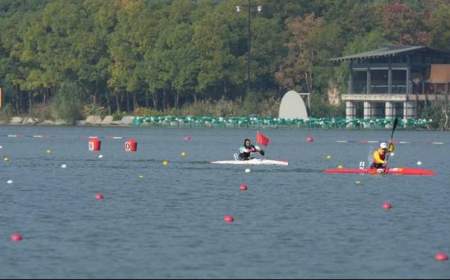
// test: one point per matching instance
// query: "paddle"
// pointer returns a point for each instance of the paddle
(391, 146)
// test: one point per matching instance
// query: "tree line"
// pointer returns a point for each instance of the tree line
(125, 54)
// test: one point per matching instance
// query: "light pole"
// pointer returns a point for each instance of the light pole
(249, 35)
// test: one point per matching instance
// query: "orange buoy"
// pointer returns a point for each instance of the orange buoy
(94, 144)
(16, 237)
(131, 145)
(228, 218)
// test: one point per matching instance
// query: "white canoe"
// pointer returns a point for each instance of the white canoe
(255, 161)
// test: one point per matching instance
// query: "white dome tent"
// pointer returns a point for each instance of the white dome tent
(292, 106)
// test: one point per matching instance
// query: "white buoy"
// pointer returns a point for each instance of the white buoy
(9, 182)
(100, 156)
(247, 170)
(1, 147)
(419, 163)
(392, 154)
(63, 165)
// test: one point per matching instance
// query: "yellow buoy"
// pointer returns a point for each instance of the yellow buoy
(141, 176)
(165, 162)
(340, 166)
(49, 151)
(5, 158)
(183, 154)
(328, 157)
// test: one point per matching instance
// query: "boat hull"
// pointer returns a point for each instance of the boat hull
(389, 171)
(255, 161)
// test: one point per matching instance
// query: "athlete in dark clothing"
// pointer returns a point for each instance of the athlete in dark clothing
(246, 150)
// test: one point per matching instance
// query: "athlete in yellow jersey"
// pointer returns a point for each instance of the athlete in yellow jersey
(379, 155)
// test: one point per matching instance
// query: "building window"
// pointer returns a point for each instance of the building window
(378, 81)
(359, 82)
(398, 81)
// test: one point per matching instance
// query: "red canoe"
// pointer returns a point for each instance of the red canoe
(374, 171)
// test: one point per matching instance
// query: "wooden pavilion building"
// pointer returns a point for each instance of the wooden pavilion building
(395, 81)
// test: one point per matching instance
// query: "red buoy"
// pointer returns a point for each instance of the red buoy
(94, 144)
(309, 139)
(387, 205)
(228, 218)
(131, 145)
(441, 256)
(99, 196)
(16, 237)
(243, 187)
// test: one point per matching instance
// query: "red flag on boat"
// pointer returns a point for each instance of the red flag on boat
(262, 139)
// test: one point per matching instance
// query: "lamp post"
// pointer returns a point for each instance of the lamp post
(249, 35)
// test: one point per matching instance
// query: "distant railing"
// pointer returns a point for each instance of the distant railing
(416, 88)
(260, 122)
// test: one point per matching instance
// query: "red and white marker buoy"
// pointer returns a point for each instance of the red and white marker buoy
(94, 144)
(130, 145)
(16, 237)
(243, 187)
(228, 219)
(441, 256)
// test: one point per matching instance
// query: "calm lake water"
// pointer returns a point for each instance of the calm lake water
(167, 221)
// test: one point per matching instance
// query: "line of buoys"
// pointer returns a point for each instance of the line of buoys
(95, 144)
